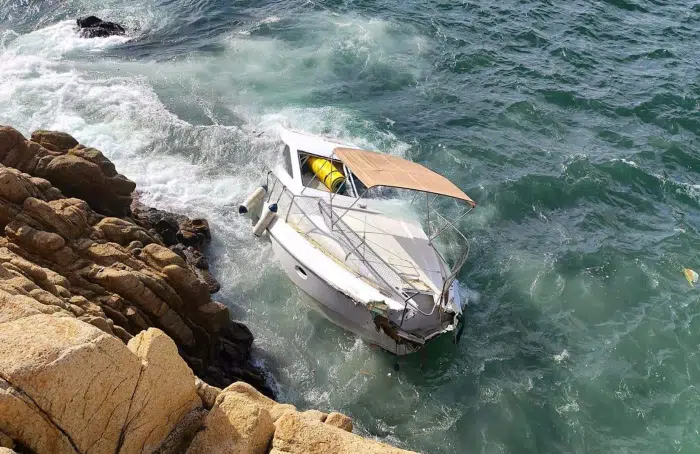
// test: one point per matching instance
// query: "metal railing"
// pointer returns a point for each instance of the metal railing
(386, 276)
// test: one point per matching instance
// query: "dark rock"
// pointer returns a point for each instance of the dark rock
(94, 27)
(205, 276)
(179, 249)
(196, 258)
(167, 229)
(238, 333)
(189, 238)
(198, 226)
(186, 237)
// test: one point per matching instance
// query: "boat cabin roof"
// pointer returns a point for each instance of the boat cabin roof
(379, 169)
(376, 169)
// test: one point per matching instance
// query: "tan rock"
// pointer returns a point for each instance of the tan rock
(13, 307)
(34, 240)
(60, 140)
(315, 415)
(186, 283)
(123, 232)
(207, 393)
(160, 256)
(164, 395)
(275, 409)
(67, 217)
(235, 425)
(180, 438)
(24, 421)
(6, 441)
(296, 434)
(12, 187)
(340, 421)
(51, 361)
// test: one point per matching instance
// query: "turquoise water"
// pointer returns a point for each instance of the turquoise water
(574, 125)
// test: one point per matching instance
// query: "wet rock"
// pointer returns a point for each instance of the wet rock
(94, 27)
(89, 260)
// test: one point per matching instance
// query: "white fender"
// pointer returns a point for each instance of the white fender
(253, 203)
(265, 219)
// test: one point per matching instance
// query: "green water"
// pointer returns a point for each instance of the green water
(574, 126)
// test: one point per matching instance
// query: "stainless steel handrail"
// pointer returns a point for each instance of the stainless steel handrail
(323, 205)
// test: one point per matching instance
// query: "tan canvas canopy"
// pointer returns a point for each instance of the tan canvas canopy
(378, 169)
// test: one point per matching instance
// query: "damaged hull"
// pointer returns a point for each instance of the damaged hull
(347, 306)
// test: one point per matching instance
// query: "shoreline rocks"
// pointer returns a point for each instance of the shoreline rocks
(70, 236)
(110, 341)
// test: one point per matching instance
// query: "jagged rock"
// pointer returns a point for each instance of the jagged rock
(236, 424)
(186, 237)
(54, 140)
(164, 395)
(340, 421)
(64, 256)
(94, 27)
(123, 232)
(207, 393)
(182, 435)
(296, 434)
(275, 409)
(76, 172)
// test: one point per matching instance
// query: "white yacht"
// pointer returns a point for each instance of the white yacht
(362, 254)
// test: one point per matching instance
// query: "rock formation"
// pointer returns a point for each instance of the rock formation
(63, 245)
(94, 27)
(68, 387)
(109, 339)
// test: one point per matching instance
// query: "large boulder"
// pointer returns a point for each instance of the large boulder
(94, 27)
(76, 171)
(46, 363)
(68, 387)
(244, 390)
(165, 392)
(235, 425)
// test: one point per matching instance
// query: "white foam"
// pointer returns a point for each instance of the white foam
(64, 38)
(561, 356)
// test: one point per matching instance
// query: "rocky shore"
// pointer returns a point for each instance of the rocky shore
(109, 338)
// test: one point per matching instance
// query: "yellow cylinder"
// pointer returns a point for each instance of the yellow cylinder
(326, 171)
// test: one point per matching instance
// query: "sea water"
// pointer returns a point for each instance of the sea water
(573, 125)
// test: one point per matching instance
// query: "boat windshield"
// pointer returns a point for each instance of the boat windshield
(333, 169)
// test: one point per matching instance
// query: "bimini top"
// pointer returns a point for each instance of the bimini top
(378, 169)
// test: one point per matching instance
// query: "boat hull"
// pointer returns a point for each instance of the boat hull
(334, 305)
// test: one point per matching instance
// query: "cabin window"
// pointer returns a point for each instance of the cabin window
(287, 160)
(310, 180)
